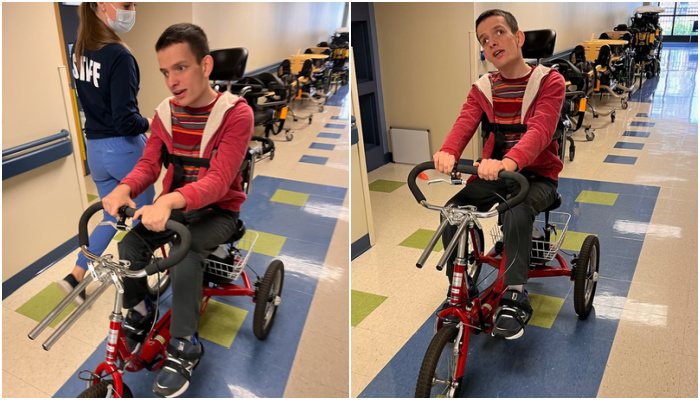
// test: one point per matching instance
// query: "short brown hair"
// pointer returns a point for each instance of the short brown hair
(510, 19)
(185, 33)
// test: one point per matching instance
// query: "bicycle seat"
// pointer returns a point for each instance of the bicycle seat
(239, 233)
(556, 204)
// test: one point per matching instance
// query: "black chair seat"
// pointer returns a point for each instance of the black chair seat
(262, 115)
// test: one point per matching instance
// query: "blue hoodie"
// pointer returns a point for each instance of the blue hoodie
(107, 85)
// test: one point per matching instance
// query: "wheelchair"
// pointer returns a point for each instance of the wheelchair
(538, 45)
(471, 310)
(220, 273)
(228, 75)
(647, 39)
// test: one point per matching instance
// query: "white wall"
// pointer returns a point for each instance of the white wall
(270, 31)
(40, 208)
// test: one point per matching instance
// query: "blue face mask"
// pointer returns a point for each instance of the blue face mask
(125, 20)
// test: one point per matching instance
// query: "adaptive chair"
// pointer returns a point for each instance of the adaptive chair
(608, 74)
(647, 39)
(229, 66)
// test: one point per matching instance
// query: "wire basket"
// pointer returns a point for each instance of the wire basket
(543, 251)
(236, 260)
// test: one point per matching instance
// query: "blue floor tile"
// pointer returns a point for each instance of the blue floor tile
(342, 118)
(335, 126)
(322, 146)
(329, 135)
(645, 115)
(645, 124)
(636, 134)
(314, 160)
(620, 159)
(631, 146)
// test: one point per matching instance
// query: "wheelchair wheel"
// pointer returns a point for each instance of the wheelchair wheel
(572, 153)
(267, 299)
(436, 377)
(104, 389)
(586, 276)
(612, 117)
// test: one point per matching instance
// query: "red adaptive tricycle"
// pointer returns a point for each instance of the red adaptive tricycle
(106, 381)
(471, 310)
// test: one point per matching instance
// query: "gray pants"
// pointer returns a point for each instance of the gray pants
(209, 229)
(517, 225)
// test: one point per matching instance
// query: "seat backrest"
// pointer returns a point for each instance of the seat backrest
(307, 69)
(539, 44)
(229, 64)
(604, 36)
(578, 56)
(285, 68)
(604, 56)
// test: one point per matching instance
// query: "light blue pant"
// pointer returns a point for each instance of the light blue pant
(110, 161)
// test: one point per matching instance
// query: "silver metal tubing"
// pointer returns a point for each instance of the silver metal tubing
(625, 89)
(613, 94)
(453, 243)
(433, 241)
(58, 309)
(74, 316)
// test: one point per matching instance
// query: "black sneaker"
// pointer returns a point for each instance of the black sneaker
(183, 356)
(67, 285)
(513, 314)
(137, 326)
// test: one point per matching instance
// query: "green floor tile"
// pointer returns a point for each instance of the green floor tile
(593, 197)
(221, 322)
(119, 236)
(288, 197)
(91, 197)
(362, 305)
(266, 243)
(545, 309)
(41, 305)
(385, 186)
(574, 240)
(420, 239)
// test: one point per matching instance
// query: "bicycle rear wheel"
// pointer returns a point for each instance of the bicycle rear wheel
(437, 374)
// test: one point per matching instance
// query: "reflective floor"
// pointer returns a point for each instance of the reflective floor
(634, 187)
(299, 206)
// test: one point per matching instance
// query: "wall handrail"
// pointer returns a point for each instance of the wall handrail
(36, 143)
(13, 163)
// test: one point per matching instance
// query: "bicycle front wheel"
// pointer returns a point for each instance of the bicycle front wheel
(437, 377)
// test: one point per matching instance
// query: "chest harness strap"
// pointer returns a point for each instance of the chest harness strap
(499, 131)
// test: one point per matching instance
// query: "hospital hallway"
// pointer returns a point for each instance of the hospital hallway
(635, 186)
(299, 207)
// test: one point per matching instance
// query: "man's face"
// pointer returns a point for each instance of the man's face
(501, 46)
(186, 79)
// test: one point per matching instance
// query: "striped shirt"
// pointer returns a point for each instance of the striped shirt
(188, 127)
(507, 104)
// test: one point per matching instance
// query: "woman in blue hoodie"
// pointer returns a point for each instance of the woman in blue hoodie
(106, 78)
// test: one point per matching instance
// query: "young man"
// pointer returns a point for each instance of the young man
(522, 104)
(209, 133)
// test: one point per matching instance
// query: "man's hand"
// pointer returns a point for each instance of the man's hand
(120, 196)
(444, 162)
(154, 217)
(488, 169)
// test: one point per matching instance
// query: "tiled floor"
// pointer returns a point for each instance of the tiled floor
(301, 212)
(635, 187)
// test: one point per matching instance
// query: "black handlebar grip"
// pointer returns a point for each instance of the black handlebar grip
(83, 236)
(424, 166)
(177, 253)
